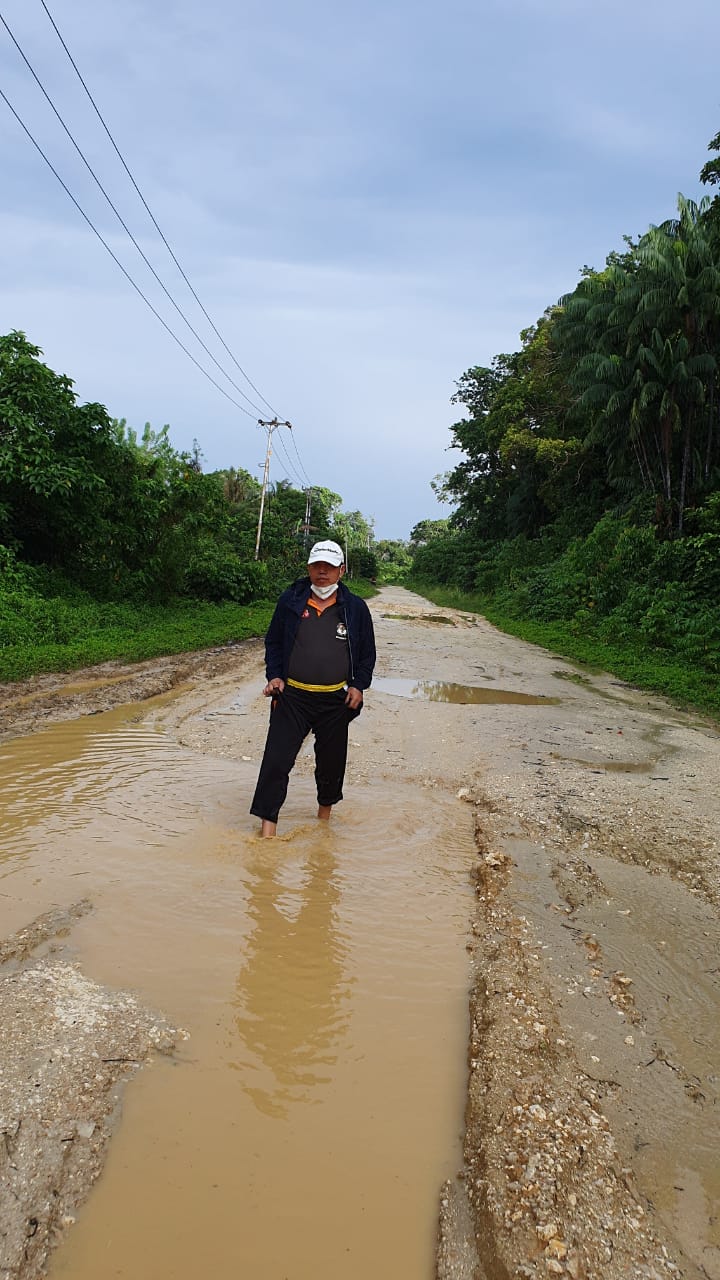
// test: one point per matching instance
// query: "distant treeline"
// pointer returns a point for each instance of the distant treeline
(588, 492)
(93, 514)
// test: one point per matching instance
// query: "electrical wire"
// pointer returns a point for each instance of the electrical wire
(290, 462)
(117, 261)
(159, 230)
(302, 479)
(122, 221)
(149, 211)
(307, 480)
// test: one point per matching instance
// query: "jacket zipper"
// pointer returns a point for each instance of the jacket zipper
(349, 645)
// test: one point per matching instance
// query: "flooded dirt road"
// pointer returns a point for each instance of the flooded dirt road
(542, 839)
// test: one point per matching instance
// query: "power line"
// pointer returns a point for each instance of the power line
(118, 263)
(149, 211)
(290, 463)
(159, 230)
(88, 166)
(121, 220)
(307, 480)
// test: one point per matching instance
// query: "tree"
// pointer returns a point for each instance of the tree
(522, 458)
(394, 559)
(644, 335)
(427, 531)
(685, 260)
(54, 457)
(710, 172)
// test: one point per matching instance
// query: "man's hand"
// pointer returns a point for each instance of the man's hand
(353, 698)
(276, 685)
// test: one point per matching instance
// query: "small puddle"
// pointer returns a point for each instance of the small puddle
(307, 1125)
(463, 694)
(608, 766)
(421, 617)
(653, 736)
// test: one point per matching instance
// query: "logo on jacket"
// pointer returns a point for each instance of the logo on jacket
(341, 631)
(305, 613)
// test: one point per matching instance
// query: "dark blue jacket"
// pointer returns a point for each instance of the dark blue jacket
(281, 634)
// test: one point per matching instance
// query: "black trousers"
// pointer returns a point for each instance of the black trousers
(294, 713)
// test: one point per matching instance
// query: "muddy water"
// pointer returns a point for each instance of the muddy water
(460, 694)
(306, 1125)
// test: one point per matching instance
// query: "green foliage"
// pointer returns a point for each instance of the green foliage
(217, 573)
(674, 677)
(62, 632)
(710, 172)
(588, 495)
(115, 545)
(393, 559)
(54, 457)
(523, 457)
(363, 587)
(426, 531)
(123, 515)
(620, 585)
(362, 563)
(14, 575)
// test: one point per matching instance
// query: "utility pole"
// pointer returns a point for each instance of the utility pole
(270, 426)
(308, 513)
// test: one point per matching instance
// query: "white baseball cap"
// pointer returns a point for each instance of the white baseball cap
(330, 552)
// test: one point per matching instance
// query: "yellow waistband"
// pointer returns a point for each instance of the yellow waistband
(316, 688)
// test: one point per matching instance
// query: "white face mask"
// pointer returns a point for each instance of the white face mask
(323, 593)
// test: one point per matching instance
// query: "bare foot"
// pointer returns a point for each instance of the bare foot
(324, 811)
(267, 829)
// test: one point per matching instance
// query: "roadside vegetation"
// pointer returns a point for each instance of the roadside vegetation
(587, 498)
(115, 545)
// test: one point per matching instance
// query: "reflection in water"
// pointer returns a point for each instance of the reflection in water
(291, 990)
(317, 1059)
(444, 691)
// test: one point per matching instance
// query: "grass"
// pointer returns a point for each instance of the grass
(654, 670)
(361, 587)
(146, 631)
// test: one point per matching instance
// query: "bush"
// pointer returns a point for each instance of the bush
(217, 573)
(362, 563)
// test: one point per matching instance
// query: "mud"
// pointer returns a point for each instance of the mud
(592, 1117)
(68, 1048)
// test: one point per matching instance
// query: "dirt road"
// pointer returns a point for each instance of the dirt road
(592, 1114)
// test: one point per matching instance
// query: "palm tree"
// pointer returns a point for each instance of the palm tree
(645, 335)
(682, 304)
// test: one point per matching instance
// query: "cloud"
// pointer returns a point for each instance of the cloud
(368, 200)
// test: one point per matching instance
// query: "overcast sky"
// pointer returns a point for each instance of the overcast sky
(368, 199)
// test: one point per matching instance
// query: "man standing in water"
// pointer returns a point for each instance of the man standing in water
(319, 659)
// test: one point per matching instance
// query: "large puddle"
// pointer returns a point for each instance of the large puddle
(305, 1127)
